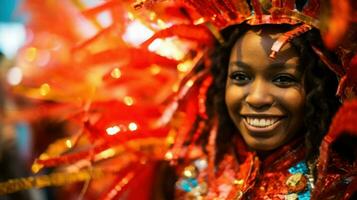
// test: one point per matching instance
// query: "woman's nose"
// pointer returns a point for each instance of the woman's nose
(259, 95)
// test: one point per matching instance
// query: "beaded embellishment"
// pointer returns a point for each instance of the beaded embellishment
(298, 182)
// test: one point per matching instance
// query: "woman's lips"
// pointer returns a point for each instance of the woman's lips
(262, 126)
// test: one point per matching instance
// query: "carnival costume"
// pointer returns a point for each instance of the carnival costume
(284, 174)
(135, 104)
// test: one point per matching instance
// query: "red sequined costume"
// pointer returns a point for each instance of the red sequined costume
(284, 174)
(281, 175)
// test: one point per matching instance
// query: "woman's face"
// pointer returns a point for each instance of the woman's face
(265, 97)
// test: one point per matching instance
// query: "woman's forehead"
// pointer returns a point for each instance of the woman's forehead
(255, 46)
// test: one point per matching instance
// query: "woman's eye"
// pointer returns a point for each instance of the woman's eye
(285, 80)
(240, 77)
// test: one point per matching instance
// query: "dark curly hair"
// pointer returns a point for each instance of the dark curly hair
(320, 86)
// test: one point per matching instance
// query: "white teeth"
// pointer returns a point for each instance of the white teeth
(261, 122)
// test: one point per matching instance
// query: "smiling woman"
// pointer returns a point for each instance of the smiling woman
(272, 115)
(265, 97)
(270, 101)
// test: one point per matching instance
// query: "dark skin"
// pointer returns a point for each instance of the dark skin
(265, 97)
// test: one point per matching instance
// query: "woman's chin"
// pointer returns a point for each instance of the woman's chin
(264, 139)
(263, 144)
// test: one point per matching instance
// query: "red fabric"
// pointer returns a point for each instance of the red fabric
(336, 176)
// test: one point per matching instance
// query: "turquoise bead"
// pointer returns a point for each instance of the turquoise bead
(301, 167)
(187, 184)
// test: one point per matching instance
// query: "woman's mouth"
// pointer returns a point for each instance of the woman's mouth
(262, 124)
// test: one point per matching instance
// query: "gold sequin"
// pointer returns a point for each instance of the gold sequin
(190, 171)
(294, 179)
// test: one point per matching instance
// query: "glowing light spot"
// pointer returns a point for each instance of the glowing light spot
(131, 16)
(155, 45)
(152, 16)
(167, 47)
(190, 171)
(45, 89)
(136, 33)
(238, 181)
(169, 155)
(116, 73)
(199, 21)
(170, 140)
(155, 69)
(14, 76)
(184, 67)
(125, 181)
(129, 101)
(175, 87)
(12, 37)
(132, 126)
(30, 54)
(187, 173)
(189, 83)
(105, 18)
(36, 167)
(106, 154)
(69, 143)
(161, 24)
(201, 164)
(44, 156)
(113, 130)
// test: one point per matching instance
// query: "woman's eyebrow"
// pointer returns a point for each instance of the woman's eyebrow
(239, 64)
(282, 65)
(279, 65)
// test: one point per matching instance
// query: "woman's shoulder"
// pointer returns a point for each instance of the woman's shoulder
(337, 162)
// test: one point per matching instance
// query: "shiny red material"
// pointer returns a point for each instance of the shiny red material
(337, 166)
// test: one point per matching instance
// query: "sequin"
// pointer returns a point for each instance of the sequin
(301, 168)
(187, 184)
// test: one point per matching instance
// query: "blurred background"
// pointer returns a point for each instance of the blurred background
(12, 31)
(14, 138)
(23, 140)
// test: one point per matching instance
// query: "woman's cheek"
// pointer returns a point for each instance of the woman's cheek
(294, 99)
(234, 98)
